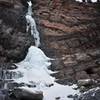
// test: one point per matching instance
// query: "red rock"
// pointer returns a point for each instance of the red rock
(62, 27)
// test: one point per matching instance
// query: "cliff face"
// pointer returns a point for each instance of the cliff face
(69, 32)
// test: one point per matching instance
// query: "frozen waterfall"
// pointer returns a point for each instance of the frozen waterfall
(33, 70)
(32, 25)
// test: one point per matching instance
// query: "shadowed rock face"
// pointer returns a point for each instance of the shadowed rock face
(93, 94)
(14, 41)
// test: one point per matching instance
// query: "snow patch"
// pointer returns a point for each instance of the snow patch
(86, 0)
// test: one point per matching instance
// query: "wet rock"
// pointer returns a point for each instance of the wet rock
(74, 97)
(57, 98)
(70, 96)
(23, 94)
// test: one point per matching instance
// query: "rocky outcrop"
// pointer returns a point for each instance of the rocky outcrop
(93, 94)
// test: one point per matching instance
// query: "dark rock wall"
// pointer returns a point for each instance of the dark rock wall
(14, 41)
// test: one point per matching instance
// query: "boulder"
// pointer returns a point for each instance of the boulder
(24, 94)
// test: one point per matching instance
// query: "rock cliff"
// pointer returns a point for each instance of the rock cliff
(70, 31)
